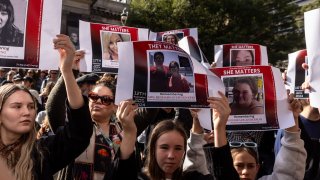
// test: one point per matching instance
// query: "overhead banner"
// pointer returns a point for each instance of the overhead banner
(257, 98)
(158, 74)
(174, 36)
(296, 75)
(227, 55)
(100, 43)
(312, 33)
(26, 30)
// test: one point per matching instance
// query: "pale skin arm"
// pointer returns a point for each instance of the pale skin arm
(221, 112)
(67, 53)
(295, 106)
(125, 114)
(196, 127)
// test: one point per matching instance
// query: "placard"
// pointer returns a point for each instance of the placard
(174, 36)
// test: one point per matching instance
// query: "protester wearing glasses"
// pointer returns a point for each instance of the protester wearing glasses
(242, 163)
(95, 162)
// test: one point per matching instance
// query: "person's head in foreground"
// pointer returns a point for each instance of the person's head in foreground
(166, 151)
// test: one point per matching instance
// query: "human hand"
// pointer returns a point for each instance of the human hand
(221, 110)
(66, 49)
(125, 114)
(296, 108)
(213, 64)
(79, 54)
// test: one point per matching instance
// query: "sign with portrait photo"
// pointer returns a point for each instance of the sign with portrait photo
(159, 74)
(174, 36)
(227, 55)
(23, 28)
(100, 42)
(257, 98)
(296, 75)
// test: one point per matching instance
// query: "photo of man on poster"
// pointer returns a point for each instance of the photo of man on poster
(159, 77)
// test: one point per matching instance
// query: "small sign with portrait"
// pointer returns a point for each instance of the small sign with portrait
(174, 36)
(257, 98)
(100, 42)
(227, 55)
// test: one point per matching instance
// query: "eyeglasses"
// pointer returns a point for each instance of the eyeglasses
(251, 145)
(105, 100)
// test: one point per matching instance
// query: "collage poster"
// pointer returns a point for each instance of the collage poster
(227, 55)
(100, 42)
(296, 75)
(25, 30)
(257, 98)
(163, 75)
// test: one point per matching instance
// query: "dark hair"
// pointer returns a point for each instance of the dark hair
(158, 54)
(151, 167)
(250, 81)
(236, 52)
(10, 34)
(173, 64)
(108, 82)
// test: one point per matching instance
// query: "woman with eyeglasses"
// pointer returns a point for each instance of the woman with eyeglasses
(242, 161)
(95, 162)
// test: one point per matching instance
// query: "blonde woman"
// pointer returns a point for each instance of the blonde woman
(26, 157)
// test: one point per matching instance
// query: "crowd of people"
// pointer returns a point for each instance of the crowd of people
(63, 125)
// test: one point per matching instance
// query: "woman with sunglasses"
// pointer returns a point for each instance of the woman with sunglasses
(242, 162)
(95, 162)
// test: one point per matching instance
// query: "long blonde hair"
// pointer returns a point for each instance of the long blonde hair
(22, 169)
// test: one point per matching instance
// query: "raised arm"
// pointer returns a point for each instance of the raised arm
(67, 53)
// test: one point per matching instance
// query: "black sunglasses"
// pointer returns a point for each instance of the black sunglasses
(105, 100)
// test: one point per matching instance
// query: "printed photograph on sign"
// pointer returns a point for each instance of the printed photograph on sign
(241, 57)
(172, 38)
(109, 47)
(12, 28)
(245, 94)
(170, 77)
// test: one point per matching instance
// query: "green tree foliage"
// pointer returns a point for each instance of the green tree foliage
(271, 23)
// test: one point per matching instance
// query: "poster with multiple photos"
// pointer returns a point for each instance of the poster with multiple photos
(100, 43)
(312, 34)
(25, 30)
(296, 75)
(159, 74)
(227, 55)
(257, 98)
(174, 36)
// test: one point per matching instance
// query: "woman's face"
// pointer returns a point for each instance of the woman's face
(243, 94)
(18, 114)
(4, 16)
(169, 152)
(246, 165)
(243, 58)
(114, 39)
(174, 69)
(171, 39)
(99, 111)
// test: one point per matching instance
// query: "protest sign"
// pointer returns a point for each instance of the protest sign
(158, 74)
(226, 55)
(26, 30)
(100, 42)
(174, 36)
(257, 97)
(190, 46)
(312, 33)
(296, 75)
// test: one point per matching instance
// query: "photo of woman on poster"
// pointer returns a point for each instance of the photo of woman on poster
(177, 82)
(109, 44)
(10, 35)
(246, 99)
(243, 57)
(171, 38)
